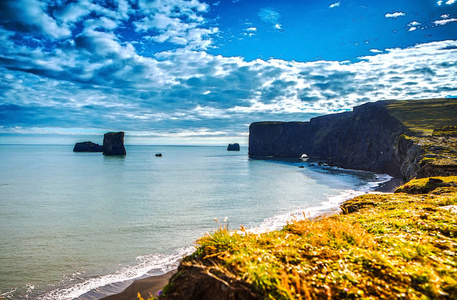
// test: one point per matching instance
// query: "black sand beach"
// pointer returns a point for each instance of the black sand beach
(147, 287)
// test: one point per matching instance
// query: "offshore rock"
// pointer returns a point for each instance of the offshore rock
(113, 143)
(233, 147)
(87, 147)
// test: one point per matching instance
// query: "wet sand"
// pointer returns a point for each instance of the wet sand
(390, 186)
(147, 287)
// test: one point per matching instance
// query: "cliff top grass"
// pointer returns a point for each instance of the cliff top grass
(383, 246)
(423, 116)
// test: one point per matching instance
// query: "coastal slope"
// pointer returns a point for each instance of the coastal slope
(384, 136)
(383, 246)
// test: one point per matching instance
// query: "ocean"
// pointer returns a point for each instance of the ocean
(81, 225)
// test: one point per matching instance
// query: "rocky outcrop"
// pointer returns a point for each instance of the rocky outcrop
(372, 137)
(87, 147)
(197, 282)
(233, 147)
(427, 156)
(113, 143)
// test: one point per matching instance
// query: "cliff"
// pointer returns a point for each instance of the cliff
(373, 137)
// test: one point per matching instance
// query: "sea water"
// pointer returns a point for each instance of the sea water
(84, 225)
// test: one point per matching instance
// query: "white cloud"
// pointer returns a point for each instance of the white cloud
(444, 22)
(336, 4)
(414, 23)
(395, 14)
(269, 15)
(177, 21)
(32, 13)
(449, 2)
(188, 88)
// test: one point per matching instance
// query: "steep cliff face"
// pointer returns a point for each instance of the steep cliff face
(362, 139)
(394, 137)
(422, 157)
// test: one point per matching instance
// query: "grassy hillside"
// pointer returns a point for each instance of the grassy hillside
(422, 116)
(385, 246)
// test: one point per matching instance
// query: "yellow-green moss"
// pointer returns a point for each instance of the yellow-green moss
(423, 116)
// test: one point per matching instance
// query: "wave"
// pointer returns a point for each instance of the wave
(158, 264)
(97, 287)
(329, 206)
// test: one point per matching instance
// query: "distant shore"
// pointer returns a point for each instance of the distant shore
(151, 286)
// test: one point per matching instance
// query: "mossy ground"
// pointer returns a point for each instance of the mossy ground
(384, 246)
(423, 116)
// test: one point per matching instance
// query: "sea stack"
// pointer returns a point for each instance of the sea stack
(87, 147)
(233, 147)
(113, 143)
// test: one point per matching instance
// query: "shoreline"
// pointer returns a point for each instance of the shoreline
(150, 286)
(147, 287)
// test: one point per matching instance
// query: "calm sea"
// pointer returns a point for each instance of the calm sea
(83, 225)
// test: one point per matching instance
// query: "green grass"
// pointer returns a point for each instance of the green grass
(423, 116)
(384, 246)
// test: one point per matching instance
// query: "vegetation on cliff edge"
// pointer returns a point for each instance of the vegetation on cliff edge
(423, 116)
(383, 246)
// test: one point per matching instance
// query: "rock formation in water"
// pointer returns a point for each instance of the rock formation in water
(113, 143)
(87, 147)
(233, 147)
(378, 137)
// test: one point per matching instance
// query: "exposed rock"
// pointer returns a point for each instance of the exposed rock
(193, 282)
(233, 147)
(87, 147)
(113, 143)
(427, 156)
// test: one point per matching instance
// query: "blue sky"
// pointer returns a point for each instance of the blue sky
(199, 72)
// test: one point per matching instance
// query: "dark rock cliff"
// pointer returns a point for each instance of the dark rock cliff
(363, 139)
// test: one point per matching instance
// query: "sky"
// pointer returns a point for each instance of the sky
(199, 72)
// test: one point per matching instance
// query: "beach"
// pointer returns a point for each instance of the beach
(147, 287)
(151, 286)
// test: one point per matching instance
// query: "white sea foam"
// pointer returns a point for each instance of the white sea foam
(331, 204)
(157, 264)
(148, 265)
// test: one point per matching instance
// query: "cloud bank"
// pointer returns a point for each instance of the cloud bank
(78, 69)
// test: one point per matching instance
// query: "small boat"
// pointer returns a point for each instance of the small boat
(304, 156)
(159, 154)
